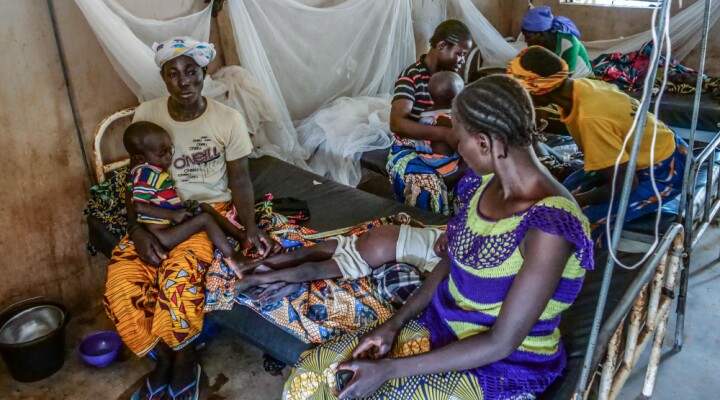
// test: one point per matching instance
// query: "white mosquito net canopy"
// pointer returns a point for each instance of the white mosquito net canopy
(317, 75)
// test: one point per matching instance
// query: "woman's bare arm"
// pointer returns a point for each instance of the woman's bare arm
(545, 258)
(402, 125)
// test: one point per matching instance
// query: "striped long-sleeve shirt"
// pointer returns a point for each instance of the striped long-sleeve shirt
(412, 84)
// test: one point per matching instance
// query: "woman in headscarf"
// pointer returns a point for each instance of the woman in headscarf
(599, 118)
(414, 181)
(156, 296)
(484, 324)
(559, 35)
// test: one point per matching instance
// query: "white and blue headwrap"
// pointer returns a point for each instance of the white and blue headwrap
(201, 52)
(541, 19)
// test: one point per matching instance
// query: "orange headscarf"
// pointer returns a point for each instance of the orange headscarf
(534, 83)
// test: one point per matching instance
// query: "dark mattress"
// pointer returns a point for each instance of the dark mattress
(333, 205)
(676, 110)
(375, 160)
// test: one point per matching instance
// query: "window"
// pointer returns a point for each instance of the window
(617, 3)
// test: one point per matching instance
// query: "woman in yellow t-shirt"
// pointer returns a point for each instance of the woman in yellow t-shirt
(599, 117)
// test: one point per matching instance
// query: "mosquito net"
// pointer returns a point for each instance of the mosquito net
(317, 74)
(127, 40)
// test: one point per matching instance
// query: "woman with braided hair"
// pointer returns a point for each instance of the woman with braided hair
(415, 182)
(484, 325)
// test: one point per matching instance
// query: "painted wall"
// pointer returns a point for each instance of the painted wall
(598, 23)
(44, 184)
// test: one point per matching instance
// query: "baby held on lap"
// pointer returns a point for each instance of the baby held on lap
(353, 257)
(156, 201)
(444, 86)
(442, 155)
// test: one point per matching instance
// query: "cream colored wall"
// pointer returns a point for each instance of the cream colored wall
(44, 183)
(597, 23)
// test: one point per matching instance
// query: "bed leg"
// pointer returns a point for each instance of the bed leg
(662, 315)
(680, 322)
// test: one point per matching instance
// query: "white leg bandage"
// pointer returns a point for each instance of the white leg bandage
(348, 259)
(415, 247)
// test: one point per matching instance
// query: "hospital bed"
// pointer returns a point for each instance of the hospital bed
(333, 205)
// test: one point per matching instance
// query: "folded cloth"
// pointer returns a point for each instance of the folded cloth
(219, 285)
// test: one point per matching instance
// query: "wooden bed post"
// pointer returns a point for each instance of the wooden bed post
(227, 38)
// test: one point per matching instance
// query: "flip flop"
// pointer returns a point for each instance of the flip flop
(159, 391)
(194, 384)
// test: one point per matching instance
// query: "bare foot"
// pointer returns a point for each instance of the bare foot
(184, 379)
(156, 382)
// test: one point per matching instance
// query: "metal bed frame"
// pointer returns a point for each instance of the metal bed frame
(99, 165)
(642, 314)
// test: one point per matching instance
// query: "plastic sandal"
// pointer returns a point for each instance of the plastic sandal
(157, 392)
(194, 384)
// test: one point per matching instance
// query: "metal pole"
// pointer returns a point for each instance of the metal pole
(682, 213)
(71, 98)
(624, 197)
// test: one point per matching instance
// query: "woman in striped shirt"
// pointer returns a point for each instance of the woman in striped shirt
(415, 182)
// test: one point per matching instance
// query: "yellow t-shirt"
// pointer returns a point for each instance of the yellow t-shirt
(203, 146)
(600, 120)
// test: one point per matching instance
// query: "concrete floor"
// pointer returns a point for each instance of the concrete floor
(233, 370)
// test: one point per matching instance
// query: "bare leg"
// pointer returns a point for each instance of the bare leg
(171, 236)
(377, 247)
(298, 265)
(184, 371)
(225, 225)
(162, 373)
(306, 272)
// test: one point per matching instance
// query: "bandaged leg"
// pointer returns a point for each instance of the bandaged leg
(415, 247)
(348, 259)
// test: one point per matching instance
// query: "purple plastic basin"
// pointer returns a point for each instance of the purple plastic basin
(100, 348)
